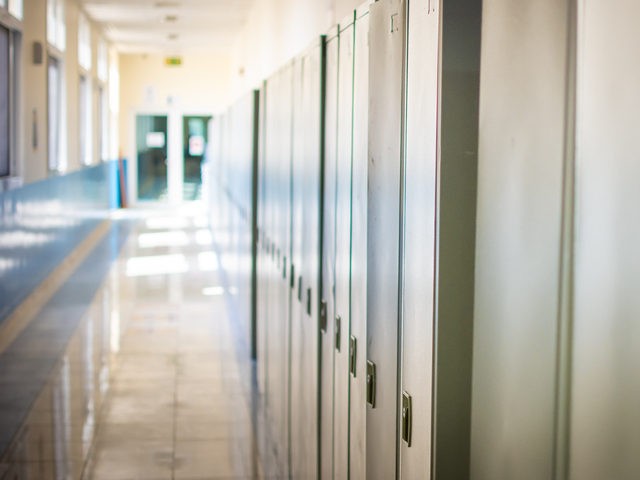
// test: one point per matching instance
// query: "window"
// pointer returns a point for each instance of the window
(84, 42)
(84, 127)
(10, 45)
(5, 103)
(104, 125)
(114, 106)
(56, 30)
(57, 162)
(15, 8)
(102, 61)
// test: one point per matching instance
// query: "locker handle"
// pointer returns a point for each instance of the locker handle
(406, 418)
(353, 344)
(284, 267)
(300, 288)
(371, 383)
(338, 331)
(308, 301)
(292, 279)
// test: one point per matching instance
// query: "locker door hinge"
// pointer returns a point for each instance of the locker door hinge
(353, 344)
(406, 418)
(371, 383)
(338, 331)
(323, 315)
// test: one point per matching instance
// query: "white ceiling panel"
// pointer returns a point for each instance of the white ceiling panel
(171, 26)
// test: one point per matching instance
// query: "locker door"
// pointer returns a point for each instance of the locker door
(343, 252)
(261, 323)
(328, 257)
(439, 240)
(605, 420)
(358, 408)
(307, 202)
(272, 332)
(298, 370)
(386, 37)
(281, 289)
(420, 232)
(520, 181)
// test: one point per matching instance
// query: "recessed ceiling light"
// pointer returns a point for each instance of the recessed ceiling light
(173, 36)
(171, 18)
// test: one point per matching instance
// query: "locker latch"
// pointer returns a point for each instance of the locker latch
(352, 355)
(338, 331)
(406, 418)
(371, 383)
(323, 315)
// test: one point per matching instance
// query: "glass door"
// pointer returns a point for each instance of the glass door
(152, 153)
(195, 139)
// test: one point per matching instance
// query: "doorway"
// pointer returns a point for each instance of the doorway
(152, 154)
(195, 138)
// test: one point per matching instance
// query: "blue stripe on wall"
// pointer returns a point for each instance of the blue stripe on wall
(42, 222)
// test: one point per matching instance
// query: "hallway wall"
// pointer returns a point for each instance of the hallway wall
(276, 31)
(32, 156)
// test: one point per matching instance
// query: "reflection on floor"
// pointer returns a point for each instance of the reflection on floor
(152, 384)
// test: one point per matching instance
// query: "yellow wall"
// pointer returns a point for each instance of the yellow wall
(199, 85)
(33, 161)
(33, 96)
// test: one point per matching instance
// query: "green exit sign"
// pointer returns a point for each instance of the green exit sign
(173, 61)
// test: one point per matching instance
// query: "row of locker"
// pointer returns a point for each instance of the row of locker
(444, 235)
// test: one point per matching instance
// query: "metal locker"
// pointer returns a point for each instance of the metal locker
(386, 42)
(327, 308)
(439, 236)
(343, 251)
(298, 369)
(281, 321)
(307, 238)
(604, 436)
(358, 310)
(261, 323)
(522, 125)
(419, 264)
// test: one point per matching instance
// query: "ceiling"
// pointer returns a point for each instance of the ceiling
(169, 26)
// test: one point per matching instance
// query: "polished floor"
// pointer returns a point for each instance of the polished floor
(153, 383)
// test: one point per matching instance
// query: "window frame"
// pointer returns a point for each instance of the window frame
(14, 58)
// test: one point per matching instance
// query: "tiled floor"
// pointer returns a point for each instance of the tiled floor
(153, 384)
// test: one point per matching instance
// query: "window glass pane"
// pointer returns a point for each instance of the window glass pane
(104, 125)
(15, 8)
(54, 114)
(84, 43)
(102, 62)
(56, 30)
(4, 102)
(85, 123)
